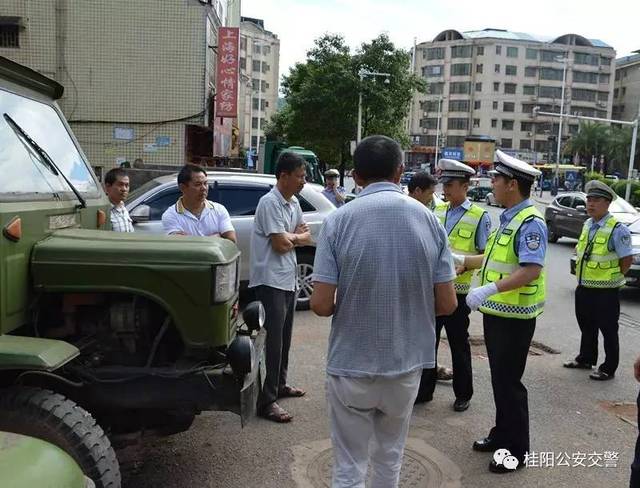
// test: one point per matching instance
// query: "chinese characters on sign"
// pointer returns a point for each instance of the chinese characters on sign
(606, 459)
(227, 72)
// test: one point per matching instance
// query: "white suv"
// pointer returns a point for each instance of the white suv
(239, 193)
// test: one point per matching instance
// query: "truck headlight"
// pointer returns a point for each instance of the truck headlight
(226, 278)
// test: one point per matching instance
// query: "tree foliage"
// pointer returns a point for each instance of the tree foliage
(321, 96)
(613, 142)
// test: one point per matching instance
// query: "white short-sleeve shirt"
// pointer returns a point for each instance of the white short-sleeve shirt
(214, 219)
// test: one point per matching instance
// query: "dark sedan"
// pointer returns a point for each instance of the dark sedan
(567, 213)
(478, 193)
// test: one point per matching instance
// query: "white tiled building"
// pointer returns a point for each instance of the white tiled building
(488, 82)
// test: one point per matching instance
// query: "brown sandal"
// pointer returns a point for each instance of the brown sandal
(276, 413)
(291, 392)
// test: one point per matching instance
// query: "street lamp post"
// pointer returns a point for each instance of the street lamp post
(634, 137)
(362, 74)
(556, 179)
(438, 130)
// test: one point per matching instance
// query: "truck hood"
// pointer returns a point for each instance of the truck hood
(82, 246)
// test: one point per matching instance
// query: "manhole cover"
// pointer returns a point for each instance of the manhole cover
(625, 411)
(422, 466)
(478, 347)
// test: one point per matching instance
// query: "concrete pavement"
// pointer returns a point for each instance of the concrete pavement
(571, 417)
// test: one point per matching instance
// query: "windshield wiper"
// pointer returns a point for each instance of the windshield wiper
(51, 165)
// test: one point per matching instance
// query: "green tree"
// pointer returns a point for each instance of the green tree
(591, 140)
(322, 96)
(619, 147)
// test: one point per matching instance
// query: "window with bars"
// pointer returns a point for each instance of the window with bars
(511, 70)
(531, 53)
(480, 50)
(461, 51)
(436, 88)
(432, 71)
(585, 77)
(507, 125)
(10, 36)
(459, 87)
(477, 104)
(526, 126)
(458, 105)
(510, 88)
(433, 53)
(529, 90)
(583, 95)
(506, 143)
(525, 144)
(531, 71)
(508, 107)
(431, 123)
(586, 58)
(479, 86)
(494, 123)
(550, 91)
(429, 106)
(458, 124)
(512, 52)
(550, 74)
(461, 69)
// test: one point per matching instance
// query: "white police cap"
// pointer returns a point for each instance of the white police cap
(452, 169)
(514, 167)
(595, 188)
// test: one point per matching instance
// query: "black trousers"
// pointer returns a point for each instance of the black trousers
(598, 309)
(279, 306)
(457, 327)
(508, 342)
(634, 482)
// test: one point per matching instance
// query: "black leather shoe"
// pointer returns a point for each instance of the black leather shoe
(485, 445)
(501, 469)
(573, 364)
(461, 405)
(601, 376)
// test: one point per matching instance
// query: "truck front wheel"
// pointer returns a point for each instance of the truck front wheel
(56, 419)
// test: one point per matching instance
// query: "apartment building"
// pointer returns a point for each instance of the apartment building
(139, 76)
(626, 91)
(487, 82)
(259, 77)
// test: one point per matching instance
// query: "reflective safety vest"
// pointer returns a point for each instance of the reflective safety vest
(500, 260)
(596, 266)
(462, 239)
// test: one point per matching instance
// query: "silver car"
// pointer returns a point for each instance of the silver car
(239, 193)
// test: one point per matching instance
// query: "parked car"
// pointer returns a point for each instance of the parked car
(239, 193)
(567, 212)
(490, 200)
(633, 275)
(406, 177)
(478, 193)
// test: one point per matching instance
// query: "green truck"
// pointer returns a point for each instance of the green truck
(102, 331)
(270, 151)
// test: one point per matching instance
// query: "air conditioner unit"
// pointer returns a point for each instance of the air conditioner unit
(424, 130)
(533, 99)
(424, 114)
(529, 134)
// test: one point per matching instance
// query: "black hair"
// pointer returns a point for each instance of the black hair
(187, 171)
(524, 187)
(422, 180)
(377, 158)
(113, 174)
(288, 162)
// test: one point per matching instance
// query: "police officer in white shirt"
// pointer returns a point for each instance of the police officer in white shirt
(193, 214)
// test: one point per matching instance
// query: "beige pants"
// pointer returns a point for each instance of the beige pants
(369, 420)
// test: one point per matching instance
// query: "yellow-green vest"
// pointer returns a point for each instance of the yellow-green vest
(462, 239)
(599, 268)
(500, 260)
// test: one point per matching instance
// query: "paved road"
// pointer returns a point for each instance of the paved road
(567, 411)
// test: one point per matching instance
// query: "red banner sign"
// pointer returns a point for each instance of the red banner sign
(227, 72)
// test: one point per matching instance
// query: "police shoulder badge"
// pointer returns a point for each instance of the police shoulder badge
(533, 241)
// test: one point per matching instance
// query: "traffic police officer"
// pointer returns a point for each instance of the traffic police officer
(604, 255)
(511, 297)
(468, 227)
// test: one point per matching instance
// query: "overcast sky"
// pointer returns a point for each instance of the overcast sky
(298, 22)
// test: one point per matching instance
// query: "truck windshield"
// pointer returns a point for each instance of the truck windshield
(23, 170)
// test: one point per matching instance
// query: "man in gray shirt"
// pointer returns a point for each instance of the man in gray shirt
(277, 230)
(384, 271)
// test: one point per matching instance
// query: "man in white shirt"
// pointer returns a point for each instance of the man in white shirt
(116, 186)
(193, 214)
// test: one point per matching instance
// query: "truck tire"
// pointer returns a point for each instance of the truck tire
(305, 286)
(54, 418)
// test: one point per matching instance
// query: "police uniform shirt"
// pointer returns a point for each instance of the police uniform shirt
(531, 237)
(620, 241)
(454, 214)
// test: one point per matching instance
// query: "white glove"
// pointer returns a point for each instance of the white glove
(458, 259)
(479, 295)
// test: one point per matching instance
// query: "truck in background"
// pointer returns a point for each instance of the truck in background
(270, 151)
